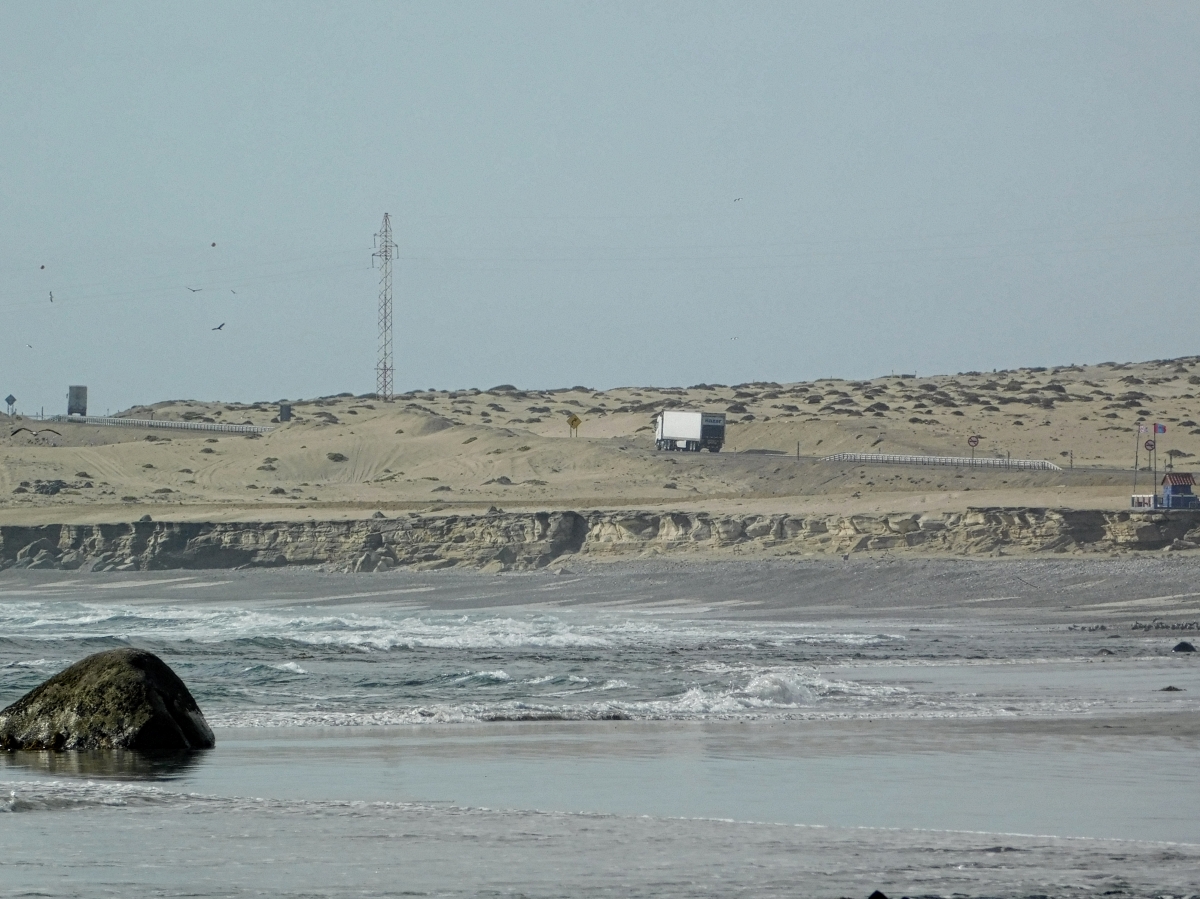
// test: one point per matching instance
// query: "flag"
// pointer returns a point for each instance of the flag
(1142, 429)
(1159, 429)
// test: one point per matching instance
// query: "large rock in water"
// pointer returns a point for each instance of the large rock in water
(120, 699)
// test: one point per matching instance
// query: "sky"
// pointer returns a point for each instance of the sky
(600, 193)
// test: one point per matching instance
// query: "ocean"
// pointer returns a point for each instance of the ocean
(636, 730)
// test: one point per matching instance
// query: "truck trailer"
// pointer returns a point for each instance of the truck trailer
(689, 432)
(77, 399)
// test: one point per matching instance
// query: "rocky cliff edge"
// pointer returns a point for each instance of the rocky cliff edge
(511, 540)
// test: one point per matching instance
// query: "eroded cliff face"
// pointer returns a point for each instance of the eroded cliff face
(502, 541)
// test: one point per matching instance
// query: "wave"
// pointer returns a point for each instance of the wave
(381, 632)
(285, 667)
(57, 795)
(757, 692)
(39, 664)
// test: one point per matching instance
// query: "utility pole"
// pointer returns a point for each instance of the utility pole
(385, 250)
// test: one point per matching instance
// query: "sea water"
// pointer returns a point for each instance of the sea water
(460, 735)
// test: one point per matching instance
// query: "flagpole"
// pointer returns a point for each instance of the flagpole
(1137, 435)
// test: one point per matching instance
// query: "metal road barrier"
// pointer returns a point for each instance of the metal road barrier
(105, 421)
(952, 461)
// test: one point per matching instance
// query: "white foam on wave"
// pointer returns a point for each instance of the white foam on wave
(487, 677)
(26, 617)
(837, 640)
(363, 632)
(778, 690)
(54, 795)
(285, 667)
(401, 629)
(750, 693)
(781, 679)
(41, 664)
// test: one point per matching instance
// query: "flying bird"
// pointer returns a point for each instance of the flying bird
(219, 327)
(214, 243)
(35, 433)
(30, 345)
(737, 199)
(43, 268)
(194, 289)
(231, 290)
(52, 296)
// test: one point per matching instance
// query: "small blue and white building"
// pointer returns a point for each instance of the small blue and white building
(1177, 491)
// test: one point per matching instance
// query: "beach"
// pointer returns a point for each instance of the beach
(599, 451)
(778, 727)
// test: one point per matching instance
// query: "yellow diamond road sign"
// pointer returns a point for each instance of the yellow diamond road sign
(574, 421)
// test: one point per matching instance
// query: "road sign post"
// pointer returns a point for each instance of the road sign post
(1150, 445)
(972, 442)
(574, 422)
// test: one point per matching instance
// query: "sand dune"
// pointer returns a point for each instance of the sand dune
(348, 456)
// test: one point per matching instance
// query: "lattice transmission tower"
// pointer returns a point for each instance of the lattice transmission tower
(385, 251)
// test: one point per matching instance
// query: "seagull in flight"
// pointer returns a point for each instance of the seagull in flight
(194, 289)
(737, 199)
(219, 327)
(52, 296)
(35, 433)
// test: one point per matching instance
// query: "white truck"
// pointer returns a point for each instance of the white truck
(689, 431)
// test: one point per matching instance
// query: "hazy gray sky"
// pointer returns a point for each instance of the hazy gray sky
(588, 193)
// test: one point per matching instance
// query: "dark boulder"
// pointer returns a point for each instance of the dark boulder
(1184, 646)
(120, 699)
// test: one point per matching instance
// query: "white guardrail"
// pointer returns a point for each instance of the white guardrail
(952, 461)
(165, 424)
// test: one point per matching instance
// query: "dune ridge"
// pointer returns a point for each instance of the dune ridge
(506, 455)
